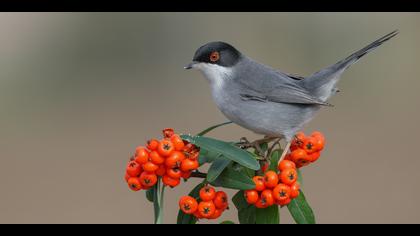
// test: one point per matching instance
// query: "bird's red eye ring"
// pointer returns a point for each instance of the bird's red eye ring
(214, 56)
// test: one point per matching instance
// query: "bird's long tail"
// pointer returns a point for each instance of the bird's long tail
(322, 83)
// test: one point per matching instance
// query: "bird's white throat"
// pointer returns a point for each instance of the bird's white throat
(215, 74)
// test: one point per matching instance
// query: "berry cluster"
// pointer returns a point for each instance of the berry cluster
(210, 204)
(306, 149)
(170, 158)
(275, 188)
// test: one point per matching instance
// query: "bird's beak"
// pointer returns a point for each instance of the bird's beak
(190, 66)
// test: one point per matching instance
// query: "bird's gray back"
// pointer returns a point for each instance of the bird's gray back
(263, 117)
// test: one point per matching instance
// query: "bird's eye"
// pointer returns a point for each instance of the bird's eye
(214, 56)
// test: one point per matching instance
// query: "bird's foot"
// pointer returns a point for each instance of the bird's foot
(244, 143)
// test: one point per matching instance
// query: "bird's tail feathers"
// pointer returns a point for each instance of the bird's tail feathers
(322, 83)
(357, 55)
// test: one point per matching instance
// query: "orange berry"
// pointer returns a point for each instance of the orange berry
(186, 174)
(161, 171)
(189, 165)
(217, 213)
(197, 214)
(314, 156)
(318, 134)
(192, 155)
(297, 141)
(300, 157)
(142, 155)
(206, 209)
(284, 202)
(174, 173)
(148, 179)
(168, 132)
(177, 142)
(175, 159)
(221, 200)
(267, 197)
(294, 190)
(150, 167)
(165, 148)
(134, 184)
(309, 145)
(288, 176)
(133, 169)
(286, 164)
(171, 182)
(207, 193)
(156, 158)
(281, 192)
(251, 196)
(188, 204)
(271, 179)
(260, 204)
(259, 183)
(319, 144)
(152, 144)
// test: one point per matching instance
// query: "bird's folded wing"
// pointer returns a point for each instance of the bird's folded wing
(282, 93)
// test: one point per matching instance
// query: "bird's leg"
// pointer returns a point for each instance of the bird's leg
(285, 150)
(270, 150)
(245, 144)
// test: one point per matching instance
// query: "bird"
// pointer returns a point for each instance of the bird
(265, 100)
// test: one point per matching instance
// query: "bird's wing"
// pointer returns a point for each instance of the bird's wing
(277, 89)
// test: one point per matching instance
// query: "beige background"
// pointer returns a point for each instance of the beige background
(78, 92)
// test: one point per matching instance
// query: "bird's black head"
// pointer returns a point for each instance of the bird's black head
(219, 53)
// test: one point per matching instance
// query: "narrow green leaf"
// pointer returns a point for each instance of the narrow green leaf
(239, 200)
(227, 222)
(226, 149)
(150, 194)
(301, 211)
(217, 168)
(202, 133)
(185, 218)
(269, 215)
(274, 160)
(230, 178)
(247, 215)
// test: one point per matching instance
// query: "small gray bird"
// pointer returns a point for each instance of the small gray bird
(265, 100)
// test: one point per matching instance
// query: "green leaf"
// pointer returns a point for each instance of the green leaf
(247, 215)
(230, 178)
(227, 222)
(274, 160)
(301, 211)
(217, 168)
(246, 212)
(226, 149)
(202, 133)
(150, 194)
(269, 215)
(185, 218)
(207, 157)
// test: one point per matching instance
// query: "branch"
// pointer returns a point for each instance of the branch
(198, 174)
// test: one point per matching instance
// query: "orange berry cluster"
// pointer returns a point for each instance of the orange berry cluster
(170, 158)
(275, 188)
(210, 205)
(306, 149)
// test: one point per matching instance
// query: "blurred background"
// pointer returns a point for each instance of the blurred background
(79, 91)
